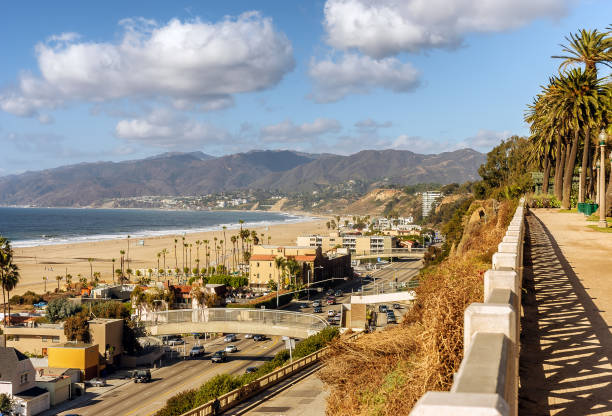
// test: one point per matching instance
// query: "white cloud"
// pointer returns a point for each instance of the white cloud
(369, 126)
(355, 74)
(164, 128)
(381, 28)
(192, 64)
(485, 140)
(287, 131)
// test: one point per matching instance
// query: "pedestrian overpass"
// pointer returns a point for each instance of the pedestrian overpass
(403, 253)
(233, 320)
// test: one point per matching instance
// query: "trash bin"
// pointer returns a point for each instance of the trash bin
(589, 209)
(581, 206)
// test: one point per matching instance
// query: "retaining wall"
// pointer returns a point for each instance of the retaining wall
(487, 381)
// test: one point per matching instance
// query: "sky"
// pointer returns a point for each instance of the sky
(115, 80)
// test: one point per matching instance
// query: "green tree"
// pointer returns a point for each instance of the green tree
(76, 328)
(60, 309)
(6, 404)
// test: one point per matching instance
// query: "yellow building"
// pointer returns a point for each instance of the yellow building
(84, 357)
(315, 265)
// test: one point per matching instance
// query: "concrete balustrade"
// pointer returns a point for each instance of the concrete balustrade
(486, 383)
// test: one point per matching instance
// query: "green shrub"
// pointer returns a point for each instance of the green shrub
(60, 309)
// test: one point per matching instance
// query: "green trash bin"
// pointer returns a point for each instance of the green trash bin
(581, 206)
(589, 209)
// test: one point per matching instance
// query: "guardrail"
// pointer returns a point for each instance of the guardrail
(265, 321)
(487, 380)
(237, 396)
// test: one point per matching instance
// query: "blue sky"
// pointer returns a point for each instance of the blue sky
(90, 81)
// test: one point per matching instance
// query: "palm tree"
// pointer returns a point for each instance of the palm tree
(294, 269)
(175, 258)
(6, 253)
(11, 279)
(113, 270)
(158, 258)
(224, 244)
(279, 262)
(90, 260)
(233, 239)
(588, 47)
(58, 278)
(122, 252)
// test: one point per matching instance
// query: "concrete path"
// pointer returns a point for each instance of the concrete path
(566, 344)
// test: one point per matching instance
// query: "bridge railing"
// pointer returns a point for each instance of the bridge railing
(487, 380)
(261, 316)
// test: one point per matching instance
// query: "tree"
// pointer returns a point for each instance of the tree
(588, 47)
(279, 263)
(112, 270)
(60, 308)
(58, 278)
(6, 404)
(90, 260)
(76, 328)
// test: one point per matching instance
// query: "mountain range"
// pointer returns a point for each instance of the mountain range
(196, 173)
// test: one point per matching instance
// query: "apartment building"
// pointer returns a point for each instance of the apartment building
(315, 265)
(33, 338)
(430, 199)
(18, 381)
(355, 243)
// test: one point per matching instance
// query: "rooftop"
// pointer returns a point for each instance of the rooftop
(78, 345)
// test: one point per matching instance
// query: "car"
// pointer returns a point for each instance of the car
(228, 300)
(331, 312)
(142, 376)
(219, 357)
(331, 301)
(250, 370)
(338, 293)
(382, 308)
(397, 306)
(176, 341)
(259, 337)
(97, 382)
(167, 338)
(332, 321)
(231, 348)
(316, 303)
(248, 336)
(302, 306)
(317, 309)
(196, 351)
(230, 338)
(329, 292)
(391, 319)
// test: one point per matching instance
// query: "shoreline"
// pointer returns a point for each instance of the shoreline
(53, 260)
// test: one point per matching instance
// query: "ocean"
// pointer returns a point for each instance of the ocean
(27, 227)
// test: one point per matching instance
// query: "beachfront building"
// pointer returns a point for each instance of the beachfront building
(430, 200)
(355, 243)
(315, 266)
(18, 381)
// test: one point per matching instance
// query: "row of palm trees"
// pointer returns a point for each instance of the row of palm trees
(9, 276)
(568, 114)
(217, 257)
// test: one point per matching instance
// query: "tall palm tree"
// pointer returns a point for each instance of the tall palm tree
(6, 253)
(113, 270)
(175, 257)
(58, 278)
(224, 245)
(122, 252)
(233, 239)
(90, 260)
(11, 279)
(279, 263)
(128, 251)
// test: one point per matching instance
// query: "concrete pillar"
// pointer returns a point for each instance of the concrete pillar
(485, 317)
(505, 260)
(438, 403)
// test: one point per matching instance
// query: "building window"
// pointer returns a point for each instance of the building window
(257, 264)
(24, 378)
(55, 339)
(45, 339)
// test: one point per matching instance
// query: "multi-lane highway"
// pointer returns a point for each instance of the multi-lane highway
(145, 399)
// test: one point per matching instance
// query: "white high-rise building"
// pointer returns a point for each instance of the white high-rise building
(430, 198)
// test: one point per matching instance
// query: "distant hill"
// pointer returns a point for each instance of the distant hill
(197, 173)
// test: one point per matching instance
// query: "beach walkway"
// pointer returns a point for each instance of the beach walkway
(566, 344)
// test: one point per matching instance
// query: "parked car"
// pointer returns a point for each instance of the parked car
(316, 303)
(338, 293)
(141, 376)
(317, 309)
(231, 348)
(97, 382)
(248, 336)
(259, 337)
(382, 308)
(397, 306)
(196, 351)
(250, 370)
(230, 338)
(219, 357)
(176, 341)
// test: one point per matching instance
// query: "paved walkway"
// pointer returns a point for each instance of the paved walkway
(566, 344)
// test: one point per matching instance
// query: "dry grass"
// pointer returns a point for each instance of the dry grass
(386, 372)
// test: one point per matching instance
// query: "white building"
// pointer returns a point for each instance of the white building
(430, 200)
(18, 380)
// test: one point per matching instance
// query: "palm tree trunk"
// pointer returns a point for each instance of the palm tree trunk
(8, 300)
(585, 164)
(559, 161)
(592, 179)
(569, 170)
(546, 177)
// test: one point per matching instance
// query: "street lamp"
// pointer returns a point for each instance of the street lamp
(602, 184)
(598, 180)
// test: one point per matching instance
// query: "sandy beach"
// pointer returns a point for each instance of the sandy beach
(53, 260)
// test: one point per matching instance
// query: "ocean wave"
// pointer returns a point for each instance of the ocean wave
(55, 239)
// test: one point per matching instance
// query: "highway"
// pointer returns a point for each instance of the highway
(145, 399)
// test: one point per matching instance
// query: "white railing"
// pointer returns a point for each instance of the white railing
(487, 380)
(266, 317)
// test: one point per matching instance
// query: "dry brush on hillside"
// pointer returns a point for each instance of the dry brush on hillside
(385, 373)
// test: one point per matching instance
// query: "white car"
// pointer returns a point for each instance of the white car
(331, 313)
(248, 336)
(316, 303)
(231, 348)
(230, 338)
